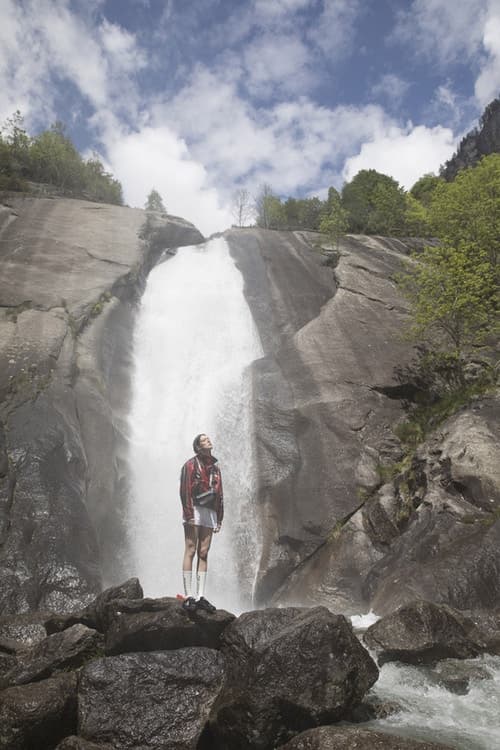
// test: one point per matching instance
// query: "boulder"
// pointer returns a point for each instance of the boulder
(78, 743)
(23, 630)
(423, 633)
(159, 624)
(288, 669)
(456, 676)
(38, 715)
(347, 738)
(59, 652)
(449, 548)
(489, 625)
(93, 615)
(155, 700)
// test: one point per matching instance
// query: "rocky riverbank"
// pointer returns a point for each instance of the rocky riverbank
(131, 672)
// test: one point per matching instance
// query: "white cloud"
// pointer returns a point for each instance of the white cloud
(391, 87)
(404, 153)
(461, 31)
(295, 143)
(488, 82)
(444, 31)
(334, 30)
(40, 39)
(276, 62)
(156, 157)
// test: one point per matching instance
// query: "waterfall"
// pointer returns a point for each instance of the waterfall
(193, 343)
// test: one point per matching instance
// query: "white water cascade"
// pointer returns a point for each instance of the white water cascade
(433, 713)
(193, 343)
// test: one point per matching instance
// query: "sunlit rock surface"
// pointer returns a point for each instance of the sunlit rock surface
(327, 397)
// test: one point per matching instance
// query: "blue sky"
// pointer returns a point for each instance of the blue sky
(200, 98)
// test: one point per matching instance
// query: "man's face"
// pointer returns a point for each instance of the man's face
(205, 443)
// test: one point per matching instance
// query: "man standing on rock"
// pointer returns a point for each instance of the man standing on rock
(202, 511)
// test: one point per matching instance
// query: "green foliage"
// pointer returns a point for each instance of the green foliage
(453, 288)
(154, 202)
(424, 188)
(468, 210)
(51, 157)
(375, 204)
(416, 218)
(334, 223)
(425, 418)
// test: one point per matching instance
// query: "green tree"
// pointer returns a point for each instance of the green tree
(424, 188)
(262, 205)
(454, 287)
(335, 222)
(154, 202)
(417, 223)
(55, 160)
(15, 160)
(310, 213)
(375, 203)
(99, 185)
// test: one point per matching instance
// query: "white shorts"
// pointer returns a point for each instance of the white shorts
(203, 517)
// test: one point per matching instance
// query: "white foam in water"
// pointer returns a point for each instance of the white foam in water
(193, 342)
(431, 712)
(362, 622)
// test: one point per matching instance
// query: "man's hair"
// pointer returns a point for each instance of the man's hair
(196, 442)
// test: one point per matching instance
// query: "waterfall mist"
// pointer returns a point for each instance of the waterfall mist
(193, 343)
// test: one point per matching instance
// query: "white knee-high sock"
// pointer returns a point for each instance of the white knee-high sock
(187, 580)
(202, 579)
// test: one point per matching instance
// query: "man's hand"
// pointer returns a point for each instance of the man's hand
(217, 529)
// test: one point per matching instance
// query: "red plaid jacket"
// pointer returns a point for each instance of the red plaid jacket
(199, 474)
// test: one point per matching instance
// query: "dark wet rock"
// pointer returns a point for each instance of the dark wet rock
(423, 633)
(94, 614)
(59, 652)
(156, 700)
(456, 676)
(372, 708)
(489, 625)
(288, 669)
(7, 662)
(38, 715)
(23, 630)
(78, 743)
(158, 624)
(347, 738)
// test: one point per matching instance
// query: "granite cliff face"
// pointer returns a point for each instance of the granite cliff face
(333, 531)
(70, 270)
